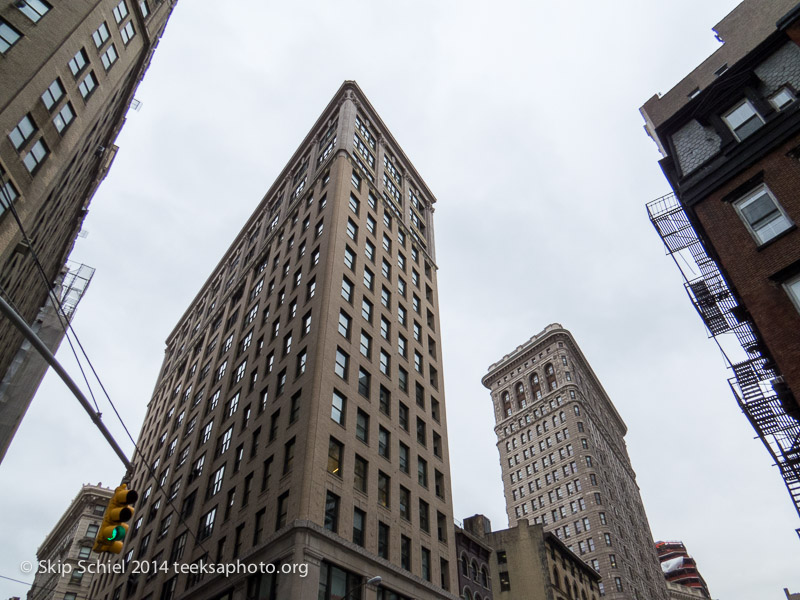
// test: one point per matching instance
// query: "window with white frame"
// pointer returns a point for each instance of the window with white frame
(743, 120)
(762, 214)
(792, 287)
(782, 98)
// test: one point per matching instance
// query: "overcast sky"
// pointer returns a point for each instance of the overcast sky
(523, 119)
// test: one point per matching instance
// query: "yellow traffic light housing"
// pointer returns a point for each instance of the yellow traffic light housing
(111, 535)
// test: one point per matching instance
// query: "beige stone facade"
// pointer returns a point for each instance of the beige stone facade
(529, 562)
(69, 71)
(68, 547)
(299, 417)
(565, 464)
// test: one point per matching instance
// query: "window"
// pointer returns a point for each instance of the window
(385, 401)
(352, 230)
(421, 432)
(127, 32)
(288, 456)
(302, 358)
(383, 442)
(782, 98)
(22, 132)
(424, 516)
(8, 36)
(207, 524)
(792, 287)
(64, 117)
(405, 553)
(366, 310)
(52, 94)
(762, 214)
(206, 433)
(78, 62)
(362, 426)
(109, 57)
(35, 156)
(337, 407)
(215, 485)
(743, 120)
(120, 11)
(88, 85)
(383, 540)
(402, 414)
(422, 471)
(347, 290)
(402, 374)
(404, 503)
(360, 474)
(354, 204)
(383, 489)
(349, 258)
(332, 512)
(364, 382)
(403, 457)
(425, 556)
(385, 364)
(385, 328)
(359, 524)
(283, 509)
(365, 346)
(335, 452)
(368, 279)
(342, 361)
(33, 9)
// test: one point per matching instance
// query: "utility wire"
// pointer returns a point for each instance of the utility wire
(68, 325)
(40, 588)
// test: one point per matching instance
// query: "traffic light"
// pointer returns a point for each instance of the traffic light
(112, 532)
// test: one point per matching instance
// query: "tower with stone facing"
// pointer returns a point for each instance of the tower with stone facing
(565, 464)
(299, 416)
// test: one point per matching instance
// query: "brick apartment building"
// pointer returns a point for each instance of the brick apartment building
(730, 136)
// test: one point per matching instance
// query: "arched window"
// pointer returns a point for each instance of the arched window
(467, 594)
(566, 586)
(574, 591)
(484, 577)
(536, 388)
(577, 410)
(520, 392)
(464, 565)
(556, 582)
(550, 376)
(506, 404)
(477, 597)
(473, 571)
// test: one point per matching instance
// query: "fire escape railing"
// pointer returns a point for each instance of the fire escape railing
(755, 376)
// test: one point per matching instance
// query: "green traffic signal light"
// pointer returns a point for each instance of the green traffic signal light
(118, 534)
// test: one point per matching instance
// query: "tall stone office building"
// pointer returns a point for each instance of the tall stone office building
(69, 69)
(565, 465)
(299, 416)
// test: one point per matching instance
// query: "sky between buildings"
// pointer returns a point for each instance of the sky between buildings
(523, 119)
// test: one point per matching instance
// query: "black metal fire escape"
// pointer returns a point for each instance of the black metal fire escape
(756, 383)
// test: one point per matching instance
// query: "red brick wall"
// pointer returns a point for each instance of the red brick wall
(748, 268)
